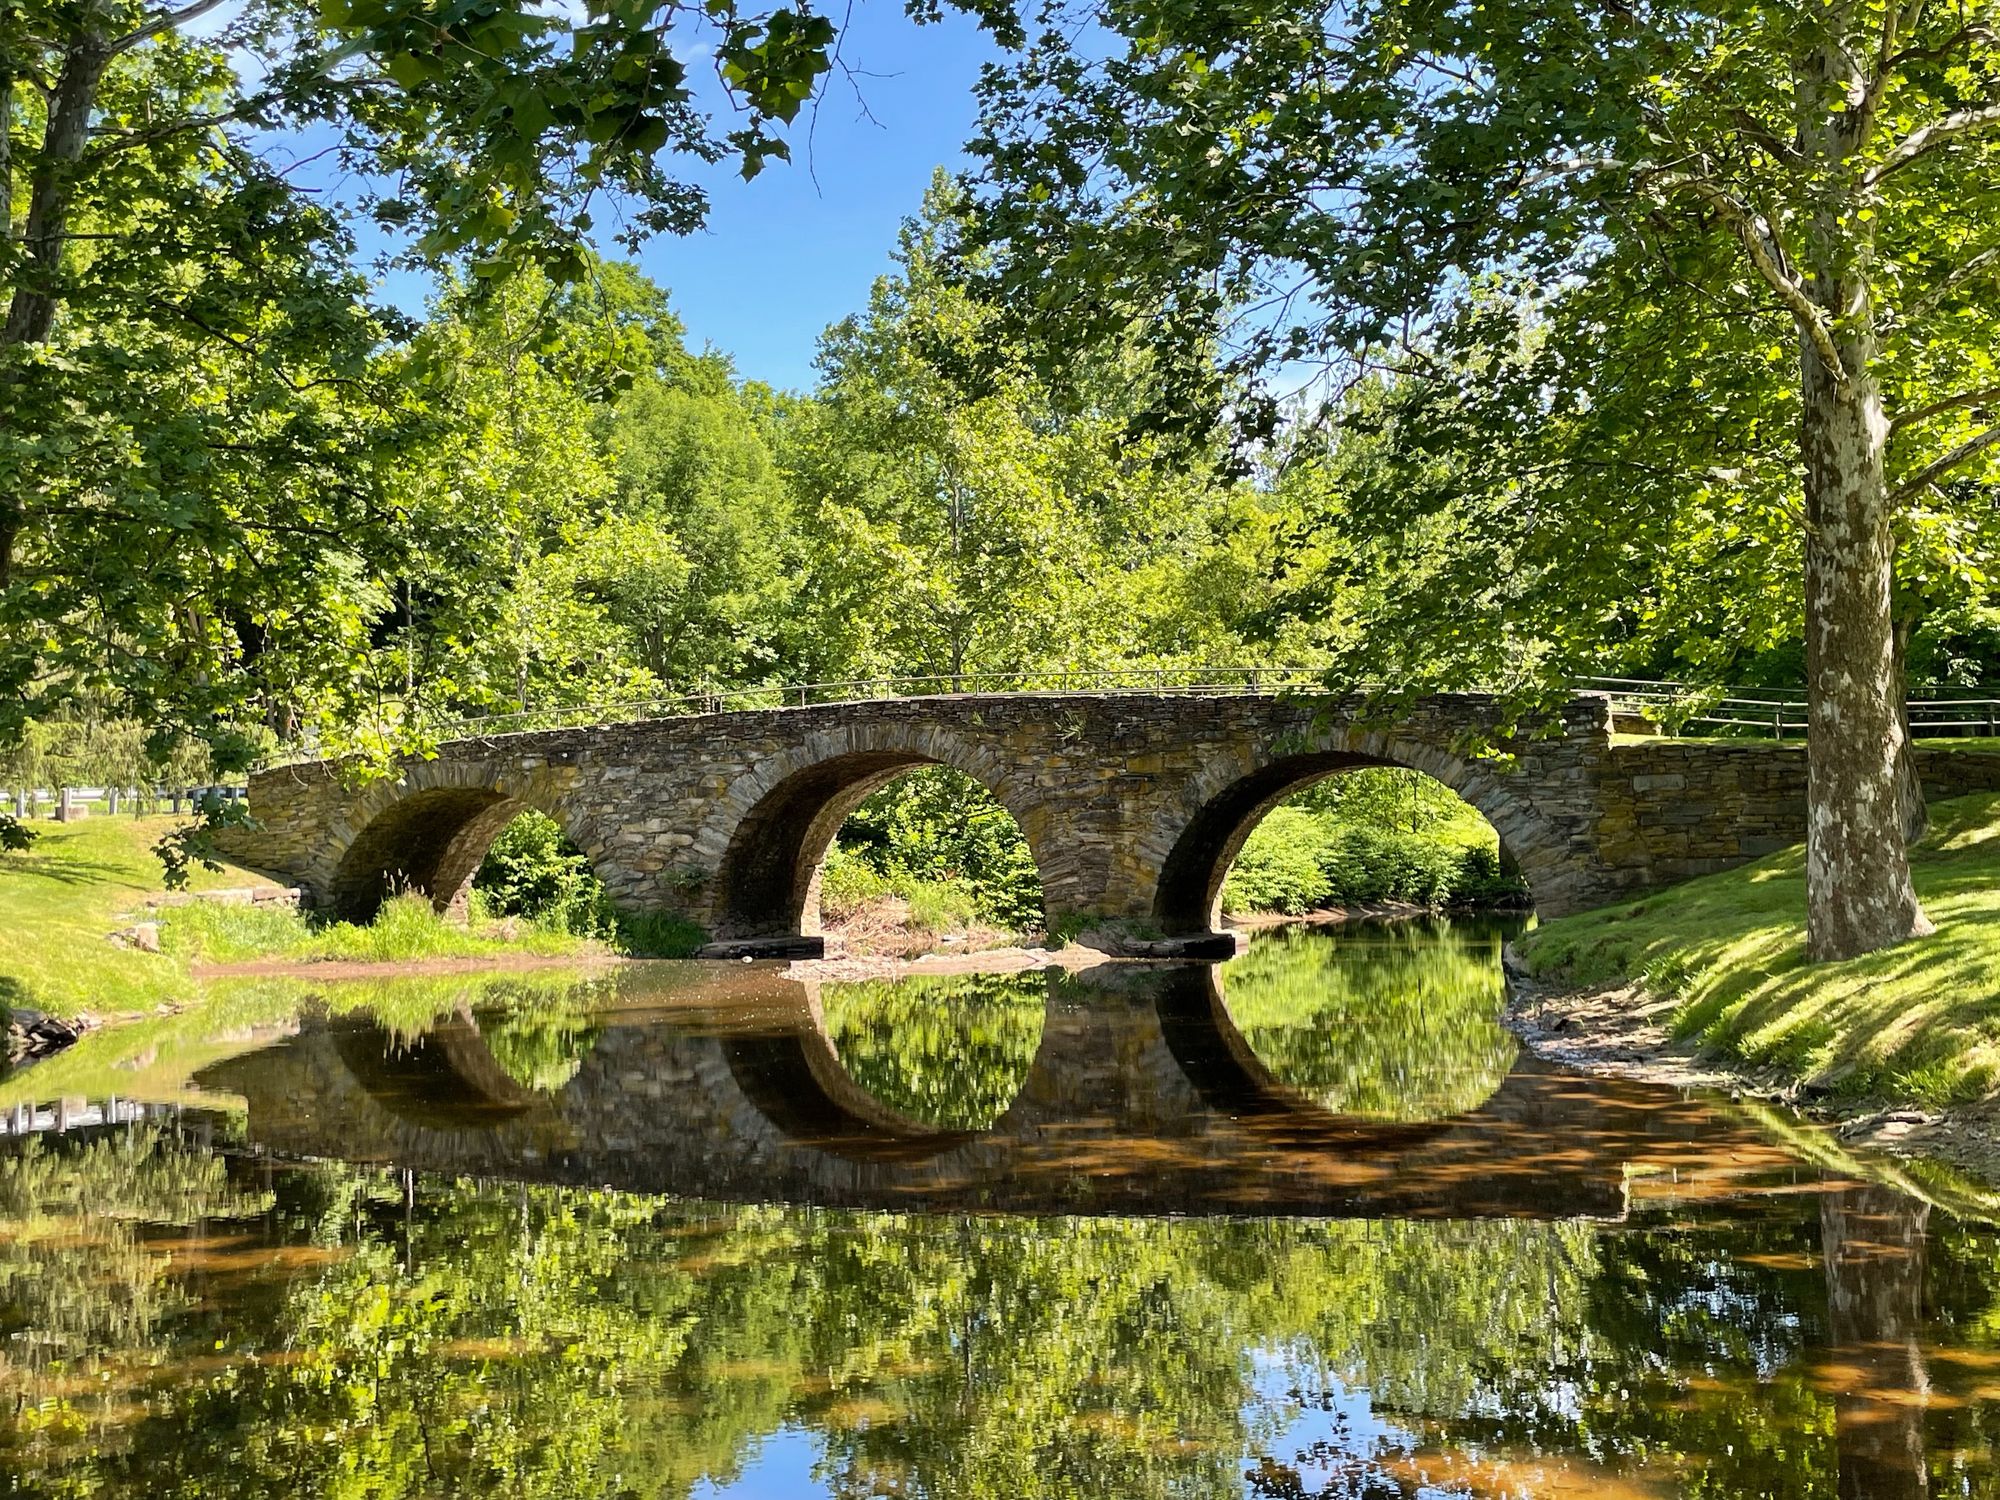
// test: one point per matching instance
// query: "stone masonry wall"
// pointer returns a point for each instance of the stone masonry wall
(1133, 805)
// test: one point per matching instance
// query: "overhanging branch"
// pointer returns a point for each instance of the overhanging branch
(1927, 138)
(165, 21)
(1932, 472)
(1964, 399)
(1767, 257)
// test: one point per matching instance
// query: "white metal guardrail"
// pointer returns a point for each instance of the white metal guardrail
(1682, 708)
(1778, 713)
(1194, 681)
(1672, 707)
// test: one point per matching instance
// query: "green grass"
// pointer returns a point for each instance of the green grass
(62, 899)
(1918, 1022)
(406, 930)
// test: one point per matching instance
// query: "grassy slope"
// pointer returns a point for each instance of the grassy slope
(61, 899)
(1920, 1021)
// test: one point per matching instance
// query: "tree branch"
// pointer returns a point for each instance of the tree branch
(1932, 472)
(108, 139)
(1768, 258)
(1779, 150)
(1950, 403)
(1952, 280)
(1927, 138)
(165, 21)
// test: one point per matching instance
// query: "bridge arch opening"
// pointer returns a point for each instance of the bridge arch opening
(436, 842)
(1333, 828)
(902, 824)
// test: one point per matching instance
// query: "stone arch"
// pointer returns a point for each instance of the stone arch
(769, 831)
(1229, 798)
(427, 832)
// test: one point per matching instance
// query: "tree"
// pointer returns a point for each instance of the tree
(696, 563)
(1346, 185)
(191, 498)
(963, 520)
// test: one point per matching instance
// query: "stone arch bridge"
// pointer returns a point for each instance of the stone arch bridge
(1133, 804)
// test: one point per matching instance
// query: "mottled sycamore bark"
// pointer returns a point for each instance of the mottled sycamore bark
(1859, 896)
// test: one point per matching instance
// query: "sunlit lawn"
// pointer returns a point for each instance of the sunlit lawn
(61, 900)
(1918, 1021)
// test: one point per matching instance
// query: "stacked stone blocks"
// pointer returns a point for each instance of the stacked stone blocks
(1132, 804)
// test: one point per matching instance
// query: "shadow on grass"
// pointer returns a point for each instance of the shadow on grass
(1919, 1020)
(69, 870)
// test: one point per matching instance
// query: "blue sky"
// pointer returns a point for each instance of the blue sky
(784, 256)
(796, 249)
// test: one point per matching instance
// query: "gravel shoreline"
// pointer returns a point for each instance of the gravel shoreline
(1621, 1031)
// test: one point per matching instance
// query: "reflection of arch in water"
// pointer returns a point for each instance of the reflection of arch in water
(1226, 1071)
(1224, 805)
(797, 1081)
(1389, 1021)
(442, 1078)
(773, 826)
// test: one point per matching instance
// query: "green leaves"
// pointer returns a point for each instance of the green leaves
(777, 64)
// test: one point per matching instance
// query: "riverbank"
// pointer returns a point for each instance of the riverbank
(79, 941)
(1706, 984)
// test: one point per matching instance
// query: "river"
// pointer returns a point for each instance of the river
(1307, 1224)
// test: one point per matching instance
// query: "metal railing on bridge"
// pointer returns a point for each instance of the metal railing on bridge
(1191, 681)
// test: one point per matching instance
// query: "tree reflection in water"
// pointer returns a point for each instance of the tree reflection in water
(947, 1050)
(176, 1322)
(1387, 1021)
(321, 1331)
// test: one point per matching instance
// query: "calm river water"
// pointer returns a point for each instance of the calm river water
(1310, 1224)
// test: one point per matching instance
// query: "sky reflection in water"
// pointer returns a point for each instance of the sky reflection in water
(1311, 1227)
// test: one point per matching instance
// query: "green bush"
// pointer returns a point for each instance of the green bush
(847, 882)
(1301, 858)
(1280, 868)
(533, 871)
(936, 838)
(657, 935)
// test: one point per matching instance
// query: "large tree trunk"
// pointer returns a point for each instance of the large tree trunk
(1909, 780)
(1858, 891)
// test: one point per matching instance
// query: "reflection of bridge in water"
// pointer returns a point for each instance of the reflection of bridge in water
(1141, 1099)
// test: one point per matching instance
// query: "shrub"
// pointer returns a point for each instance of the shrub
(657, 935)
(534, 871)
(936, 838)
(1300, 858)
(1282, 867)
(847, 882)
(938, 906)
